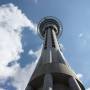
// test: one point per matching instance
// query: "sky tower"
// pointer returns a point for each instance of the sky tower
(52, 71)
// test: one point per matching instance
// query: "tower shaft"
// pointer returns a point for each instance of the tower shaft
(52, 71)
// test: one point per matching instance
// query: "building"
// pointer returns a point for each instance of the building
(52, 71)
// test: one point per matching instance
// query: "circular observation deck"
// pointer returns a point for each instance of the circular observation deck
(49, 22)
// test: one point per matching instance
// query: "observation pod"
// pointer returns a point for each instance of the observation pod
(49, 22)
(52, 71)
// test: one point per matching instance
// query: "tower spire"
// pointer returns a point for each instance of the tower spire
(52, 71)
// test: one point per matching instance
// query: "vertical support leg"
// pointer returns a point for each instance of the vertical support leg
(74, 84)
(48, 82)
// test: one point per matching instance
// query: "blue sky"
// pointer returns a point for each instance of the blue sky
(18, 20)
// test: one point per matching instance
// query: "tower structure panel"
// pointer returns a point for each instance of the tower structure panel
(52, 71)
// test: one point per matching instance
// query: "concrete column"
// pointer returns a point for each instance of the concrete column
(49, 40)
(74, 84)
(48, 82)
(55, 39)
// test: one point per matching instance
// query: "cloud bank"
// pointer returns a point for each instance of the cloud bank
(12, 23)
(22, 76)
(21, 82)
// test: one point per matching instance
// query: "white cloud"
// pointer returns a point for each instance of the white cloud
(79, 75)
(84, 37)
(13, 17)
(12, 22)
(31, 52)
(80, 35)
(22, 76)
(36, 53)
(83, 42)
